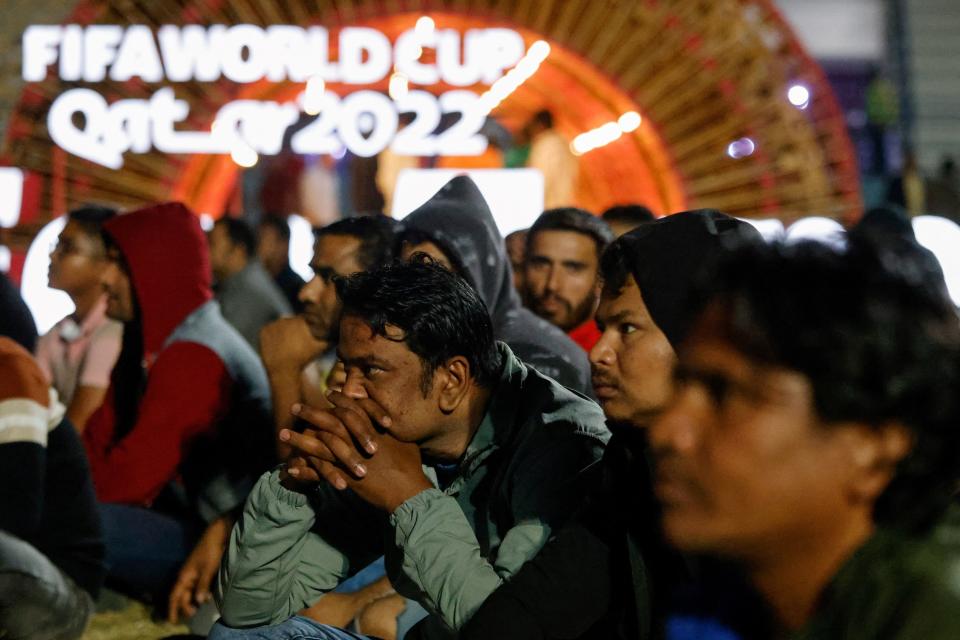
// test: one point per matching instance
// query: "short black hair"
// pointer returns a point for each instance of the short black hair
(91, 218)
(631, 214)
(277, 223)
(376, 233)
(519, 233)
(240, 233)
(576, 220)
(440, 314)
(879, 341)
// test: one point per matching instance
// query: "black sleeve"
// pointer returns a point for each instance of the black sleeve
(22, 473)
(559, 594)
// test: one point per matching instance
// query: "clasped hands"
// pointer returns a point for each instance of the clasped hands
(350, 446)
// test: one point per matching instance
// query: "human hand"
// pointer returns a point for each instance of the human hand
(385, 474)
(287, 342)
(196, 575)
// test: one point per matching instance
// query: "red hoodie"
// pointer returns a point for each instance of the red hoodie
(188, 385)
(586, 335)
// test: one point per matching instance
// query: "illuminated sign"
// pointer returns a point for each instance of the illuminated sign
(365, 122)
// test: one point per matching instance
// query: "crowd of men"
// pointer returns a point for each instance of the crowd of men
(614, 426)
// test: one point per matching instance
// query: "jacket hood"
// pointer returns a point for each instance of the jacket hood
(668, 256)
(166, 252)
(459, 221)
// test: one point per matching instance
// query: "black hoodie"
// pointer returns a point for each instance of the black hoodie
(458, 220)
(608, 573)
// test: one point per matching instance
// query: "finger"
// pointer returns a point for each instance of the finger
(304, 472)
(321, 419)
(332, 475)
(180, 596)
(368, 406)
(345, 454)
(359, 426)
(307, 444)
(207, 572)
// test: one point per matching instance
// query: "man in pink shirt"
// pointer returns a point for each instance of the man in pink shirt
(78, 354)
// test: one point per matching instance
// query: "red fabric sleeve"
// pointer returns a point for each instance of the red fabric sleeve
(185, 394)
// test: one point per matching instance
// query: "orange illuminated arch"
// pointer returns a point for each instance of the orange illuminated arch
(702, 73)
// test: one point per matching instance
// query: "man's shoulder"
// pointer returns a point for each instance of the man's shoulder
(553, 410)
(898, 587)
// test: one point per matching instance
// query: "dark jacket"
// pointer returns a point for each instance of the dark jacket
(608, 574)
(458, 220)
(447, 548)
(895, 587)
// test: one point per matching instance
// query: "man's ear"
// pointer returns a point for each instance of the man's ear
(456, 379)
(875, 453)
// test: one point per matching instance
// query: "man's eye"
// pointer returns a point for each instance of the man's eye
(717, 387)
(371, 371)
(627, 328)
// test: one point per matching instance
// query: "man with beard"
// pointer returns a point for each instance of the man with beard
(605, 574)
(561, 278)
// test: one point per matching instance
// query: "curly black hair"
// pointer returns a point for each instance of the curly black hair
(440, 314)
(877, 337)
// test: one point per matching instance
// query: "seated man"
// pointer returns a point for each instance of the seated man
(249, 298)
(813, 440)
(561, 277)
(605, 574)
(185, 428)
(291, 349)
(78, 353)
(456, 228)
(273, 252)
(627, 217)
(51, 549)
(469, 459)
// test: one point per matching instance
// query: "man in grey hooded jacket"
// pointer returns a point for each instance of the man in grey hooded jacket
(456, 227)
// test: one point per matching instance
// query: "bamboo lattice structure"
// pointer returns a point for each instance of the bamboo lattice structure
(701, 72)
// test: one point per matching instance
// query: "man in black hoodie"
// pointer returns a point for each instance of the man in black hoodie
(456, 227)
(606, 574)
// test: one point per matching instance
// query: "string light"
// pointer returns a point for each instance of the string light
(511, 81)
(313, 95)
(606, 133)
(399, 86)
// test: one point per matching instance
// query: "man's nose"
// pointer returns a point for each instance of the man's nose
(310, 292)
(675, 430)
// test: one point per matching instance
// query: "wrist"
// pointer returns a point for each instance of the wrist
(406, 491)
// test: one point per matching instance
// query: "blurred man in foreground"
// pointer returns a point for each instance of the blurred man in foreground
(813, 440)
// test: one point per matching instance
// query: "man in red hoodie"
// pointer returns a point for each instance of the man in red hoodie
(185, 426)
